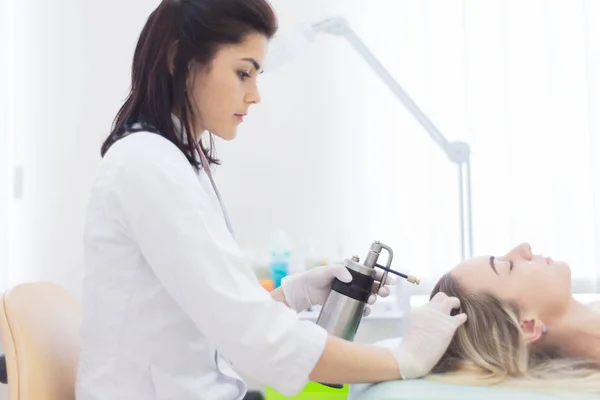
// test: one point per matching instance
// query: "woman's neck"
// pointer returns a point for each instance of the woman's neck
(577, 332)
(198, 130)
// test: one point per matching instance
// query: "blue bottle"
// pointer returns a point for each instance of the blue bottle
(280, 257)
(280, 265)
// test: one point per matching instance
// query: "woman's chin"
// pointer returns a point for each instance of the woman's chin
(564, 268)
(226, 135)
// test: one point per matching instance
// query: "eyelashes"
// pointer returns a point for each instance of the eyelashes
(243, 75)
(510, 263)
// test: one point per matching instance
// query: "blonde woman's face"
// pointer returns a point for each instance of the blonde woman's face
(538, 285)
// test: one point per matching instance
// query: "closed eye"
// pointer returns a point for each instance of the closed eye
(493, 265)
(492, 258)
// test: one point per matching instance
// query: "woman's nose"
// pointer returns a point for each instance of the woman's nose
(253, 97)
(525, 251)
(522, 251)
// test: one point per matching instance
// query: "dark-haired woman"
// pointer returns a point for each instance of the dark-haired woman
(170, 308)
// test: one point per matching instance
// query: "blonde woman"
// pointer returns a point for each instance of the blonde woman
(524, 328)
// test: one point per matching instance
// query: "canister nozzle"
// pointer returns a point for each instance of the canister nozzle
(410, 278)
(373, 256)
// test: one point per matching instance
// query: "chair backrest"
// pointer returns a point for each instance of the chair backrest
(39, 324)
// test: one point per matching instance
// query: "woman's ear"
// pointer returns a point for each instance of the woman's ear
(533, 329)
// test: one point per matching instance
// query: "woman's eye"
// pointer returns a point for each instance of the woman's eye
(243, 75)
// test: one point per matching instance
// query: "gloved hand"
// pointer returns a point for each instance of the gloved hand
(312, 287)
(429, 330)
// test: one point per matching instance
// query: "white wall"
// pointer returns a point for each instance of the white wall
(592, 11)
(5, 27)
(4, 165)
(72, 66)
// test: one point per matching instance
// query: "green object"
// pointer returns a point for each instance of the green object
(312, 391)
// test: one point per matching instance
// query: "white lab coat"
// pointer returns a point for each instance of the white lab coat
(171, 310)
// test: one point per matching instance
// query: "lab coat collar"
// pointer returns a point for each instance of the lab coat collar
(179, 128)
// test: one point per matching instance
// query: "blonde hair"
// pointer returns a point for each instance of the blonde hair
(491, 349)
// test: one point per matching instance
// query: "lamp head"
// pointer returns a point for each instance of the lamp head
(284, 47)
(334, 26)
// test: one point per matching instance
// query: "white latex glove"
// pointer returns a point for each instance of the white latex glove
(312, 287)
(429, 330)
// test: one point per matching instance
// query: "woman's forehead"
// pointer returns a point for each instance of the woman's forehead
(475, 273)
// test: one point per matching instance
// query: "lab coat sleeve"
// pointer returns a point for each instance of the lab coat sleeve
(170, 216)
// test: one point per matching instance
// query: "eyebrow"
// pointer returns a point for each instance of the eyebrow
(254, 63)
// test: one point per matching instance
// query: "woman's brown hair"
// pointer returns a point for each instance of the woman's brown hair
(181, 35)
